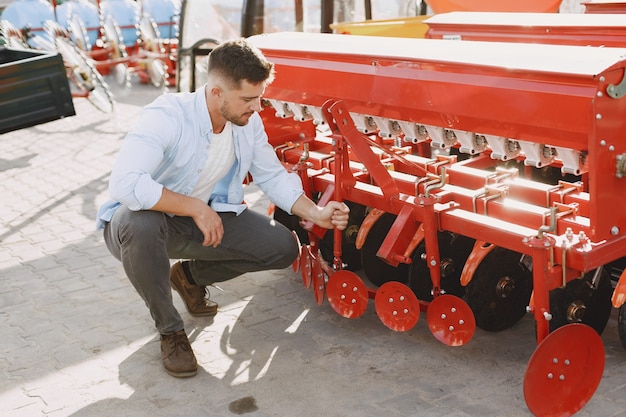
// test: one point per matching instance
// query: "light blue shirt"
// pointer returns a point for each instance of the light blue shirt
(167, 148)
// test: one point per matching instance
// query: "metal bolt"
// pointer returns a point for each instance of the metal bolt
(355, 289)
(602, 142)
(443, 317)
(433, 263)
(344, 285)
(354, 301)
(406, 311)
(599, 94)
(390, 300)
(453, 309)
(567, 362)
(550, 376)
(562, 377)
(615, 230)
(395, 313)
(598, 116)
(451, 328)
(611, 148)
(343, 297)
(461, 322)
(402, 298)
(555, 360)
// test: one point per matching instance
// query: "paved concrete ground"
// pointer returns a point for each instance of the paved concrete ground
(76, 340)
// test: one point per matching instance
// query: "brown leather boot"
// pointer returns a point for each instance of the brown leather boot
(196, 297)
(177, 355)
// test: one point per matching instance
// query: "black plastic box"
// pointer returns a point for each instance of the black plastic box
(33, 88)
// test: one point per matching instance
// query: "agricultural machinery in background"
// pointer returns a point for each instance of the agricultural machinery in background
(110, 37)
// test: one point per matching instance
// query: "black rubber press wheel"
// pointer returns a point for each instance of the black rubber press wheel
(453, 252)
(583, 301)
(500, 290)
(375, 269)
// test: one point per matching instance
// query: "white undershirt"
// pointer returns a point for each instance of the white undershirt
(221, 157)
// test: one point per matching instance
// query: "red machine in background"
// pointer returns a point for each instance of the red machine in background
(539, 6)
(483, 181)
(605, 7)
(599, 30)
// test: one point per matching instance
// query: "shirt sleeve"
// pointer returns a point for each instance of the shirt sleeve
(142, 153)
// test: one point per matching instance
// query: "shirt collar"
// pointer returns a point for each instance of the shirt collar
(203, 111)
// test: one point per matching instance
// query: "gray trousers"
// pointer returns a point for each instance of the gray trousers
(145, 241)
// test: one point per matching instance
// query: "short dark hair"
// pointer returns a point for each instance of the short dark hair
(237, 60)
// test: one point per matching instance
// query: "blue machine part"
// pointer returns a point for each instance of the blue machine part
(166, 14)
(29, 14)
(126, 14)
(86, 11)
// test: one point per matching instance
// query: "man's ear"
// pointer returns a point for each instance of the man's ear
(216, 91)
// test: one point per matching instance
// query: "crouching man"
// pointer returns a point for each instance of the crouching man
(176, 193)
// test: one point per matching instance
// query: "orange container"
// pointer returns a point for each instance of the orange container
(403, 27)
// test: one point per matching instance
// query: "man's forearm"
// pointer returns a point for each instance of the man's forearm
(178, 204)
(306, 209)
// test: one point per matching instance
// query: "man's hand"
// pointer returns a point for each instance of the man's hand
(207, 220)
(333, 215)
(210, 224)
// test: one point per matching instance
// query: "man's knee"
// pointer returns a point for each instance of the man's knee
(143, 224)
(288, 250)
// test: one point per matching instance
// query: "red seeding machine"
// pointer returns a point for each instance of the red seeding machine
(484, 180)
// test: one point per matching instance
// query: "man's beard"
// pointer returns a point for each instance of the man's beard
(240, 120)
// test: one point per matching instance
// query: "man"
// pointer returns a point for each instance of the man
(177, 193)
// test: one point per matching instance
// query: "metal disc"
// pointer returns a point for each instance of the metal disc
(564, 371)
(451, 320)
(296, 263)
(306, 265)
(397, 306)
(376, 270)
(500, 290)
(454, 250)
(347, 294)
(583, 300)
(319, 280)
